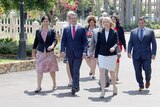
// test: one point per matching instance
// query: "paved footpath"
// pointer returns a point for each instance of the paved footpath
(16, 89)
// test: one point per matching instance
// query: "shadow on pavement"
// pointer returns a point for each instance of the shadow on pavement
(67, 94)
(137, 92)
(41, 93)
(98, 99)
(85, 79)
(96, 90)
(63, 87)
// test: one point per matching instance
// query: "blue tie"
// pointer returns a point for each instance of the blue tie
(141, 35)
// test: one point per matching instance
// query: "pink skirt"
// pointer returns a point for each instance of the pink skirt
(46, 62)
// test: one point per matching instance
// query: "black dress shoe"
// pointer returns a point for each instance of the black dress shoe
(77, 89)
(141, 89)
(38, 90)
(101, 97)
(69, 85)
(73, 91)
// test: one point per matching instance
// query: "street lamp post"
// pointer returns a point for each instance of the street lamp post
(22, 41)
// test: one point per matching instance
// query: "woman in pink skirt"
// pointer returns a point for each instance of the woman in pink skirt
(43, 52)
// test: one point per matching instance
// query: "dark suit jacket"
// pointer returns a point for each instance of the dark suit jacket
(103, 46)
(142, 49)
(39, 43)
(74, 47)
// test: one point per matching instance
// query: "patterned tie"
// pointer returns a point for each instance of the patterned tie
(141, 35)
(74, 32)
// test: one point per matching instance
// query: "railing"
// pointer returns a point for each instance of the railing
(11, 27)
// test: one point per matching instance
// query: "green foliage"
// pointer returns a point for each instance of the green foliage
(153, 25)
(128, 27)
(8, 46)
(28, 4)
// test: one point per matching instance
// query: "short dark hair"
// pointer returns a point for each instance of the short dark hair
(45, 17)
(141, 18)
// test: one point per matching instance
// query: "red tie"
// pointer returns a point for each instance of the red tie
(74, 32)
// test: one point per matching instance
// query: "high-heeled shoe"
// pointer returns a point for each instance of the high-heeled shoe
(102, 95)
(54, 87)
(115, 91)
(90, 73)
(38, 90)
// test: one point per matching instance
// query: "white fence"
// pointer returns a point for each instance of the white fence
(11, 28)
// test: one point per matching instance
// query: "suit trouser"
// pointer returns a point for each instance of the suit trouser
(144, 64)
(74, 64)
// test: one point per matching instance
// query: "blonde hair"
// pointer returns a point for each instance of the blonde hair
(109, 19)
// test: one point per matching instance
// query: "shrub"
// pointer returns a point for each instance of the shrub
(151, 25)
(8, 46)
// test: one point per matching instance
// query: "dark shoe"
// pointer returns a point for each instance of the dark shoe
(73, 91)
(77, 89)
(90, 73)
(115, 91)
(117, 79)
(69, 85)
(147, 84)
(93, 77)
(38, 90)
(107, 84)
(102, 95)
(54, 87)
(141, 89)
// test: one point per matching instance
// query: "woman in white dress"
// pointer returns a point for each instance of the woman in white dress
(106, 54)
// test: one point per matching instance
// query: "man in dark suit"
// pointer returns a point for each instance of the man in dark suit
(141, 40)
(74, 43)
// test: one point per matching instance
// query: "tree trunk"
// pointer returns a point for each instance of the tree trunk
(115, 6)
(106, 4)
(127, 12)
(149, 10)
(145, 11)
(137, 10)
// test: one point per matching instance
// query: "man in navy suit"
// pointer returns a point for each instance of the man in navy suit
(74, 45)
(143, 43)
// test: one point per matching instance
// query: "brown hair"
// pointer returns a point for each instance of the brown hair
(141, 18)
(45, 17)
(90, 18)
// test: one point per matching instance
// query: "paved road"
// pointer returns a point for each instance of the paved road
(16, 89)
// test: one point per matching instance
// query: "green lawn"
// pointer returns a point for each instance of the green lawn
(7, 60)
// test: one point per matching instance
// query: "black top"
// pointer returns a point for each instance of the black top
(39, 43)
(121, 36)
(103, 46)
